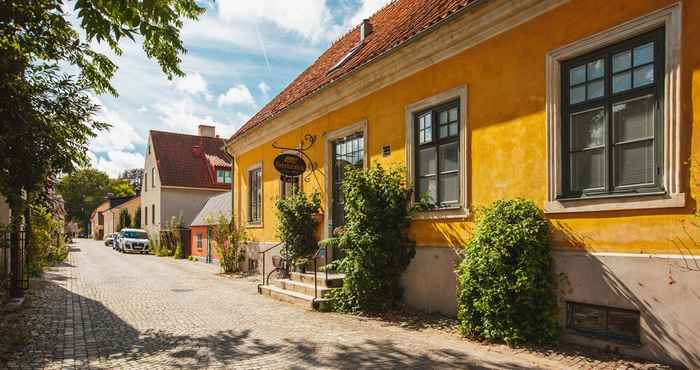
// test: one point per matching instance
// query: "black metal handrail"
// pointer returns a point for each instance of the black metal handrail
(323, 247)
(265, 281)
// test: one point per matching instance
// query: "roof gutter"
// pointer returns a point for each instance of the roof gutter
(362, 66)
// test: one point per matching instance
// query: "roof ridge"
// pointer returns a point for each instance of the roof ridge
(183, 134)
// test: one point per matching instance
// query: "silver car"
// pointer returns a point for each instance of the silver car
(132, 241)
(109, 239)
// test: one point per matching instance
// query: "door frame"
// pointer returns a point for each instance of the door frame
(328, 139)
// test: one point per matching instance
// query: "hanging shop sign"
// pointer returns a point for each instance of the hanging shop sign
(290, 165)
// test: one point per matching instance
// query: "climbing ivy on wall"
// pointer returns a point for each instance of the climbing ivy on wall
(506, 284)
(373, 239)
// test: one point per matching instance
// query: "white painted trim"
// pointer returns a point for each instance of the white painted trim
(670, 18)
(461, 93)
(457, 34)
(328, 138)
(248, 224)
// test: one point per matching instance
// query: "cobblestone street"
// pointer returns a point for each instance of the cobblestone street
(102, 309)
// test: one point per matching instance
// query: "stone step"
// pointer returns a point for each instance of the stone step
(288, 296)
(303, 288)
(334, 280)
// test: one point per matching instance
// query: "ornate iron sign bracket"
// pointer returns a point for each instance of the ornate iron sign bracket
(305, 145)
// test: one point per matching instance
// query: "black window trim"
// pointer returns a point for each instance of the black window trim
(296, 181)
(604, 334)
(436, 142)
(656, 88)
(258, 199)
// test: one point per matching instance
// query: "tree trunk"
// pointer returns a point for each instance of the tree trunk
(17, 207)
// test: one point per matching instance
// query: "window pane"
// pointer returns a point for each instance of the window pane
(634, 119)
(634, 163)
(644, 75)
(427, 186)
(449, 157)
(449, 188)
(588, 318)
(596, 89)
(444, 131)
(454, 128)
(622, 61)
(453, 114)
(623, 323)
(588, 170)
(577, 94)
(596, 69)
(443, 117)
(588, 129)
(577, 75)
(644, 54)
(621, 82)
(425, 129)
(427, 161)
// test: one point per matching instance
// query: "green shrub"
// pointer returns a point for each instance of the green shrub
(47, 244)
(377, 249)
(506, 283)
(228, 239)
(297, 225)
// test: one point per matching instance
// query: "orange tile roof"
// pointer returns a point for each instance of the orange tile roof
(392, 26)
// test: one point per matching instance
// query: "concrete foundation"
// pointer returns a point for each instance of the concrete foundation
(430, 283)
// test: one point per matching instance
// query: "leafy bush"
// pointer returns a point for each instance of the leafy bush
(297, 225)
(124, 220)
(377, 249)
(48, 246)
(228, 239)
(506, 283)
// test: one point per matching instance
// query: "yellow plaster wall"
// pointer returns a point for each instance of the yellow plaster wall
(507, 127)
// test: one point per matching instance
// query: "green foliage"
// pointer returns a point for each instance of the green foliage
(377, 249)
(155, 247)
(124, 220)
(136, 221)
(120, 188)
(506, 283)
(297, 225)
(227, 241)
(171, 240)
(48, 246)
(134, 177)
(82, 191)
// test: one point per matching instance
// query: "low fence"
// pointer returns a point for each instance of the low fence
(16, 262)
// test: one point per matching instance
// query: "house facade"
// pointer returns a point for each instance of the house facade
(97, 221)
(111, 216)
(181, 173)
(586, 107)
(203, 243)
(103, 220)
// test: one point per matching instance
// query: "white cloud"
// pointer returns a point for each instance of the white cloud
(264, 88)
(237, 95)
(366, 9)
(181, 115)
(121, 136)
(115, 162)
(192, 83)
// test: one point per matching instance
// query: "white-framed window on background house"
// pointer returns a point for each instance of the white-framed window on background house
(223, 176)
(289, 185)
(614, 117)
(198, 241)
(255, 195)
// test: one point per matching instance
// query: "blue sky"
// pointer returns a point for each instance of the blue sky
(241, 53)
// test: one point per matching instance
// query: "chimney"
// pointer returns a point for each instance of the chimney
(365, 30)
(208, 131)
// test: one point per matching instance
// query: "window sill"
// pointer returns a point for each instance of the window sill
(616, 203)
(457, 213)
(254, 225)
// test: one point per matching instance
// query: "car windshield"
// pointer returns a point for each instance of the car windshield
(135, 235)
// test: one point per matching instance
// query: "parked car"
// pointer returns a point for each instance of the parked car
(109, 239)
(132, 241)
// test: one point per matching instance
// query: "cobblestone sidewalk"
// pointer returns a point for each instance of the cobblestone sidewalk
(102, 309)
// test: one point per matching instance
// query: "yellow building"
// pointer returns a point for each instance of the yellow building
(586, 107)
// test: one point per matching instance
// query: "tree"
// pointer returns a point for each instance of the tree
(124, 220)
(46, 114)
(120, 188)
(135, 178)
(136, 221)
(83, 191)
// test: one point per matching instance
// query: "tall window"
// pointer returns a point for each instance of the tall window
(145, 182)
(347, 151)
(612, 125)
(199, 240)
(255, 195)
(145, 215)
(437, 155)
(153, 214)
(153, 177)
(288, 185)
(223, 176)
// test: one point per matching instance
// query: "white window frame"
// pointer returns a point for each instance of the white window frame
(329, 138)
(258, 224)
(670, 18)
(461, 93)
